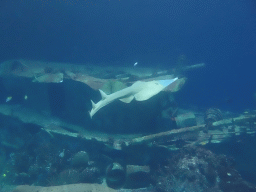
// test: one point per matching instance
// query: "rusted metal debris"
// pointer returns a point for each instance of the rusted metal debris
(237, 120)
(150, 138)
(94, 76)
(219, 134)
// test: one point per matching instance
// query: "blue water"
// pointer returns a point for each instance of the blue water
(218, 33)
(154, 33)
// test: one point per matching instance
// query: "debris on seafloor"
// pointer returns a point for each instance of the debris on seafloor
(186, 120)
(49, 78)
(115, 175)
(122, 166)
(126, 162)
(93, 76)
(212, 115)
(141, 91)
(230, 127)
(199, 65)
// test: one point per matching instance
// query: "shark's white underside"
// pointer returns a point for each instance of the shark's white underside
(140, 90)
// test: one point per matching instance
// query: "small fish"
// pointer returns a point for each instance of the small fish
(203, 143)
(135, 64)
(25, 97)
(8, 99)
(62, 154)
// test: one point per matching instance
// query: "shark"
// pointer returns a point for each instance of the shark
(140, 91)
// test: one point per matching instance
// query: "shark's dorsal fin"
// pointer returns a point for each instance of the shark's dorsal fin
(103, 95)
(93, 104)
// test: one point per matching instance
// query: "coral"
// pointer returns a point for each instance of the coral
(90, 175)
(198, 169)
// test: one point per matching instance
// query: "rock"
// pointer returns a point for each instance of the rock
(137, 177)
(80, 159)
(198, 169)
(90, 175)
(69, 176)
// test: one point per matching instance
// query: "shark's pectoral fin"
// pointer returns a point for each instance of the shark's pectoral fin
(152, 88)
(127, 99)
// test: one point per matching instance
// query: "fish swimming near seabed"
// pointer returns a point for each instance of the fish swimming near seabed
(8, 99)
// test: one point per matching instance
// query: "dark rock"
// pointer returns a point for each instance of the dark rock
(22, 179)
(90, 175)
(198, 169)
(137, 177)
(21, 162)
(34, 170)
(80, 159)
(69, 176)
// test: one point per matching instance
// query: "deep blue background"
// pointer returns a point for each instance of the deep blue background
(152, 32)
